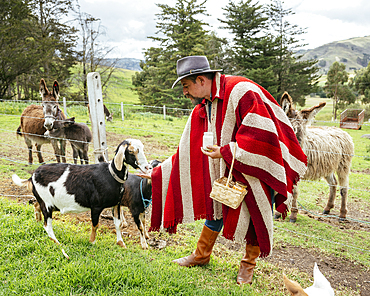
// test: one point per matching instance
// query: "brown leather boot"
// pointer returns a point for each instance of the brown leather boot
(202, 254)
(247, 265)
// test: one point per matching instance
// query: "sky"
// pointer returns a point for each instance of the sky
(128, 23)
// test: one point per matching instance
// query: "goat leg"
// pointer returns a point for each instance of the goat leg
(117, 222)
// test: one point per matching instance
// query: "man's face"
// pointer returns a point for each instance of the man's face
(193, 91)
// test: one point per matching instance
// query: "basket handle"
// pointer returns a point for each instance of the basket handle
(231, 168)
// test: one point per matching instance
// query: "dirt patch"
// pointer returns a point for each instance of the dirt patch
(340, 273)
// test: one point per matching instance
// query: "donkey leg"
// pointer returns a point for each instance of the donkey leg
(63, 144)
(294, 211)
(29, 145)
(332, 181)
(39, 155)
(117, 223)
(54, 143)
(75, 154)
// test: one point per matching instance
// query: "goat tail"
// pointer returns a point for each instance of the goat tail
(22, 182)
(19, 133)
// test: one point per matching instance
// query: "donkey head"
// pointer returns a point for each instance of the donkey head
(131, 151)
(49, 103)
(299, 119)
(59, 126)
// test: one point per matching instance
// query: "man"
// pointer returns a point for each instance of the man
(268, 158)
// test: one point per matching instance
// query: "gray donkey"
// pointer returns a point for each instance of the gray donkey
(78, 134)
(329, 150)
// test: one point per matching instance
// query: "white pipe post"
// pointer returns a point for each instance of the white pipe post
(123, 115)
(164, 112)
(97, 115)
(65, 106)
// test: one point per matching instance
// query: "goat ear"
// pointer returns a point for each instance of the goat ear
(56, 90)
(286, 103)
(120, 157)
(293, 287)
(309, 114)
(43, 89)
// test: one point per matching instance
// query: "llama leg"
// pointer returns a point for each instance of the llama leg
(139, 224)
(117, 223)
(294, 211)
(344, 185)
(332, 181)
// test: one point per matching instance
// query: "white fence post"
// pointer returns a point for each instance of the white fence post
(164, 112)
(65, 106)
(97, 115)
(123, 115)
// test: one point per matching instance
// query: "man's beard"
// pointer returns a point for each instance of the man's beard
(195, 100)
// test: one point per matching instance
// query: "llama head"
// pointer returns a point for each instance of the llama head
(299, 119)
(320, 287)
(131, 151)
(49, 103)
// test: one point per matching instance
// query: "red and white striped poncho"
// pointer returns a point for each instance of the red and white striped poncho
(268, 155)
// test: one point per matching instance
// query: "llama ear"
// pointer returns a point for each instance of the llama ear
(293, 287)
(120, 157)
(43, 89)
(286, 103)
(309, 114)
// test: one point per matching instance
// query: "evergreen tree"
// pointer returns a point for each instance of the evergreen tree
(362, 84)
(294, 75)
(336, 89)
(18, 44)
(180, 33)
(252, 51)
(55, 40)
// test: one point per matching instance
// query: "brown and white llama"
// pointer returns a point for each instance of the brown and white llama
(329, 150)
(36, 119)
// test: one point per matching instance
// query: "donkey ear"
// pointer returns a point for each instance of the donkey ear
(286, 102)
(43, 89)
(120, 157)
(56, 90)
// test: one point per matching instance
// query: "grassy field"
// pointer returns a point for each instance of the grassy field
(31, 264)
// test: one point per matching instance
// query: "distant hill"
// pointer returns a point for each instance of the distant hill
(353, 52)
(126, 63)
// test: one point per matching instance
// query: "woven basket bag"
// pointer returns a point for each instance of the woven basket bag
(228, 192)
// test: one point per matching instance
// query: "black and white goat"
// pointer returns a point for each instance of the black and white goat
(329, 150)
(78, 134)
(137, 196)
(70, 188)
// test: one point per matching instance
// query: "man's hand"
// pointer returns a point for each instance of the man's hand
(147, 175)
(213, 153)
